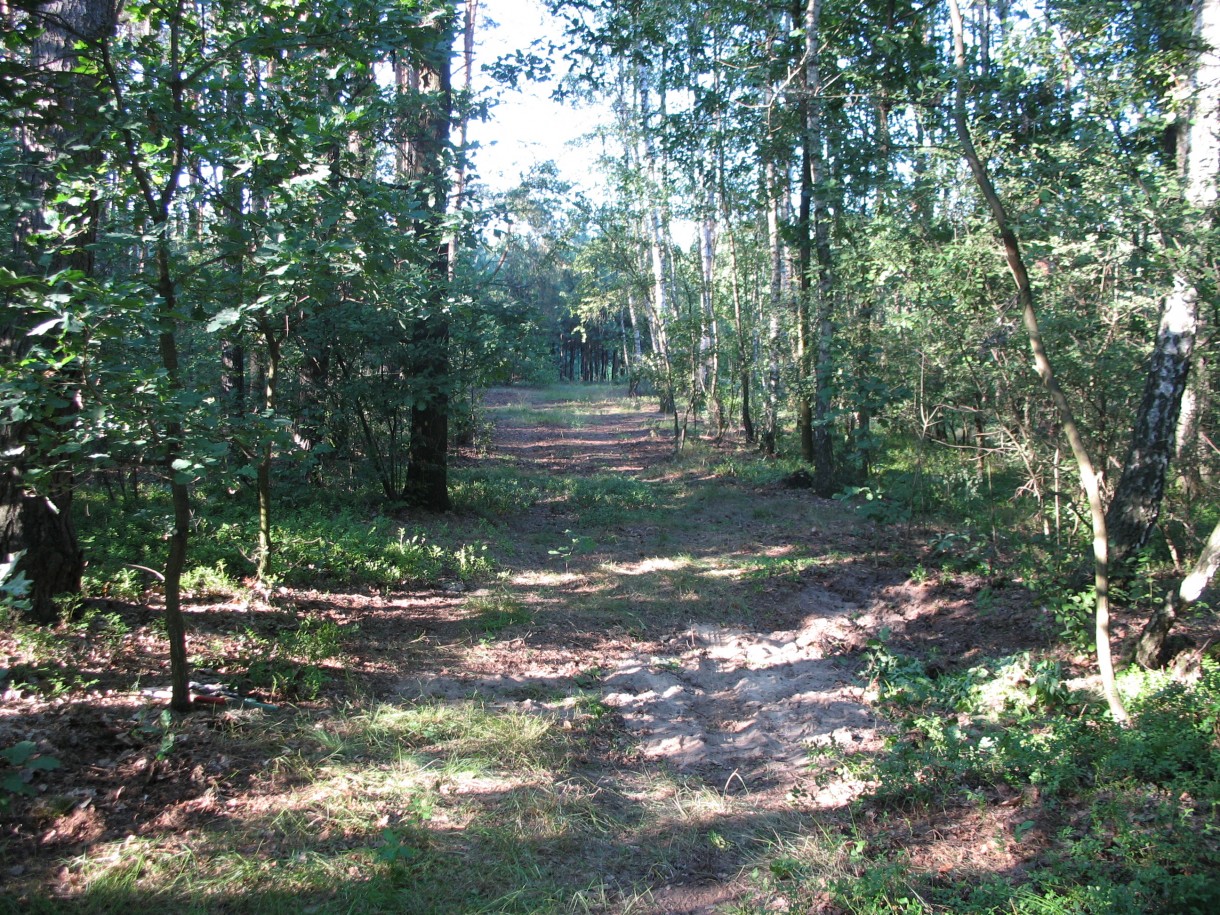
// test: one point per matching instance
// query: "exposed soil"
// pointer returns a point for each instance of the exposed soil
(737, 696)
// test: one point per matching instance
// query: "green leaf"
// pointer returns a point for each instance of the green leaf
(44, 327)
(19, 753)
(224, 319)
(14, 784)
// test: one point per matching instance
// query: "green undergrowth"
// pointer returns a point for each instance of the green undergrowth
(497, 492)
(607, 498)
(323, 544)
(1107, 819)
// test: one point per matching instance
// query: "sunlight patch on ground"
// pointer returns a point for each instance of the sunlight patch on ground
(535, 578)
(715, 567)
(732, 572)
(648, 566)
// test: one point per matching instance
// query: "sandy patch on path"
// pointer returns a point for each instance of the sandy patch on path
(713, 698)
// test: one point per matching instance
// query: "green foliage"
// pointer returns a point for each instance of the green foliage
(573, 545)
(288, 665)
(22, 760)
(1131, 808)
(316, 543)
(207, 581)
(873, 504)
(1073, 610)
(610, 498)
(494, 493)
(786, 567)
(156, 724)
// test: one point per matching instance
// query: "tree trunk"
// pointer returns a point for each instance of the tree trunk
(1151, 651)
(1136, 505)
(814, 326)
(776, 300)
(175, 562)
(823, 439)
(38, 524)
(427, 482)
(1025, 296)
(804, 260)
(265, 543)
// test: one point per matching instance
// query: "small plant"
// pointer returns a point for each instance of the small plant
(156, 725)
(1073, 611)
(205, 581)
(22, 760)
(14, 587)
(588, 679)
(575, 544)
(288, 665)
(874, 505)
(315, 640)
(985, 600)
(592, 706)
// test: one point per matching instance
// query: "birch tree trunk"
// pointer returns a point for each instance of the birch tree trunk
(1151, 649)
(1134, 510)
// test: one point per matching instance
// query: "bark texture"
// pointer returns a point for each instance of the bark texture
(1136, 505)
(427, 481)
(1152, 649)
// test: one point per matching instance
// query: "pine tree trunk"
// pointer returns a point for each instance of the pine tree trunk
(427, 480)
(37, 523)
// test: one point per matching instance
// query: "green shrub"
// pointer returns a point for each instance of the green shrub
(1136, 806)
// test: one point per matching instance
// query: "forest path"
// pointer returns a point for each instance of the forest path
(659, 591)
(625, 715)
(713, 624)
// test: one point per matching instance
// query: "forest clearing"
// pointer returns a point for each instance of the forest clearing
(669, 684)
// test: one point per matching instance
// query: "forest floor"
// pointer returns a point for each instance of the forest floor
(625, 716)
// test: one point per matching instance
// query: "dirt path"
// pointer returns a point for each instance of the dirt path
(713, 697)
(716, 665)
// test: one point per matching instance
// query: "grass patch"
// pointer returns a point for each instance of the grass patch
(493, 613)
(463, 735)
